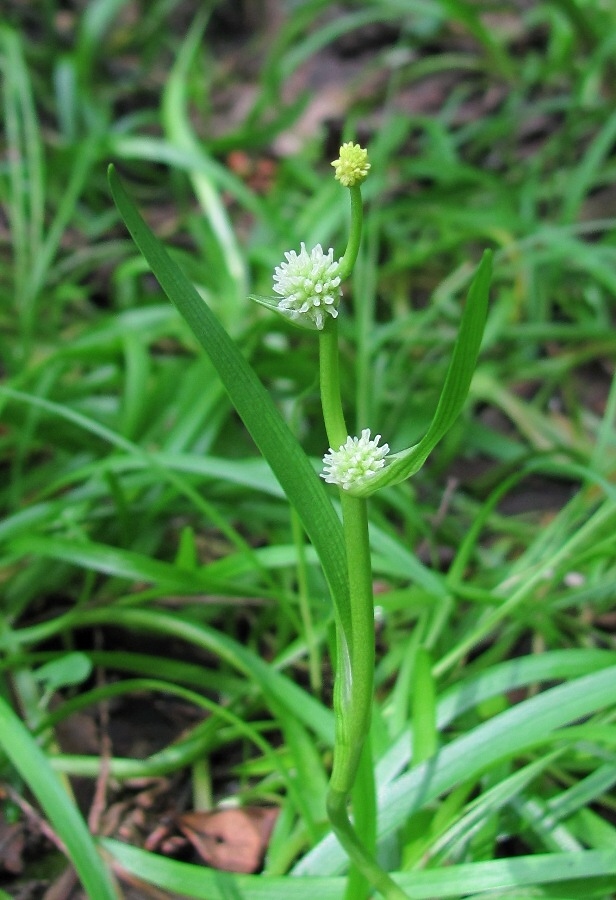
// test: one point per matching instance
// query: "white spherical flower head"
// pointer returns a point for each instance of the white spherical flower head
(309, 284)
(357, 461)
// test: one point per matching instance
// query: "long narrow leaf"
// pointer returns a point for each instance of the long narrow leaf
(508, 676)
(34, 768)
(504, 736)
(455, 389)
(452, 881)
(275, 686)
(268, 429)
(119, 563)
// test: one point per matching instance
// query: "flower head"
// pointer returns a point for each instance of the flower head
(352, 165)
(357, 461)
(309, 284)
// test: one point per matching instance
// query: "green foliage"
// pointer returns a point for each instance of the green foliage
(33, 765)
(267, 428)
(455, 390)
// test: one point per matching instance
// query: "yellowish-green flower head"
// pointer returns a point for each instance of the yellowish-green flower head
(352, 165)
(355, 462)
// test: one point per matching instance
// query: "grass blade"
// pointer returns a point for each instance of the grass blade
(455, 389)
(34, 768)
(503, 737)
(452, 881)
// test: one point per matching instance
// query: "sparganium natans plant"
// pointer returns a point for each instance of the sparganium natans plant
(308, 286)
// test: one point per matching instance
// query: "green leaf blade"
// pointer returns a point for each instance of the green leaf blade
(269, 431)
(34, 768)
(456, 387)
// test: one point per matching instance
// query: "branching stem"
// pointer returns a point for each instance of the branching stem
(355, 638)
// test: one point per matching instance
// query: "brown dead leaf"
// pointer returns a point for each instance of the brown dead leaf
(233, 840)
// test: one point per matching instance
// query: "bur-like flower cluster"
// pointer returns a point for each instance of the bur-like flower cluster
(309, 284)
(357, 461)
(352, 165)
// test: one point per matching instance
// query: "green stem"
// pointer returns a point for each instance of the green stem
(353, 695)
(357, 671)
(354, 684)
(344, 831)
(357, 217)
(363, 803)
(330, 386)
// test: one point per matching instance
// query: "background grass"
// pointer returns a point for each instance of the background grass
(135, 505)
